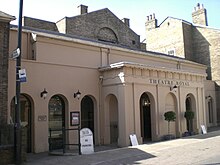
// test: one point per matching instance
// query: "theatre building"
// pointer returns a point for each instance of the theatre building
(124, 89)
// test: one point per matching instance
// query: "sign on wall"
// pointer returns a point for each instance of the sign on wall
(22, 75)
(42, 118)
(74, 118)
(16, 53)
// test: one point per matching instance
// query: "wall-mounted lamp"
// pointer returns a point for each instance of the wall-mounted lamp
(77, 95)
(146, 102)
(43, 93)
(173, 88)
(208, 97)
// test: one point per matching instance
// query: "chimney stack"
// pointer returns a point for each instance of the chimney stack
(199, 15)
(83, 9)
(126, 21)
(151, 22)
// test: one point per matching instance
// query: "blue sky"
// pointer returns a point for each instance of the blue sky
(135, 10)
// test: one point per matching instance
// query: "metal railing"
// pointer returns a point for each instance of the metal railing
(63, 138)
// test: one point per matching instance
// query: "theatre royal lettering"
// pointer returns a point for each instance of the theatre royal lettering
(169, 82)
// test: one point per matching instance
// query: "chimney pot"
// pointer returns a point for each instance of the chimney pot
(199, 16)
(83, 9)
(147, 18)
(126, 22)
(198, 6)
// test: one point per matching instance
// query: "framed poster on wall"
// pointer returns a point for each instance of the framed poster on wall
(74, 118)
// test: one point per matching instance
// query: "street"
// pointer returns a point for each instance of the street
(196, 150)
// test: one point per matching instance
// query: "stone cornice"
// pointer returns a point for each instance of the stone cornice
(149, 67)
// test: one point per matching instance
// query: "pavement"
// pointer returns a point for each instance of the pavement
(193, 150)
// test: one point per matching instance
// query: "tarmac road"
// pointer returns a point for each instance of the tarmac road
(194, 150)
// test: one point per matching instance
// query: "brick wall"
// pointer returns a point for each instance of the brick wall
(7, 151)
(39, 24)
(199, 16)
(99, 25)
(4, 46)
(206, 48)
(92, 24)
(188, 42)
(7, 154)
(6, 131)
(166, 37)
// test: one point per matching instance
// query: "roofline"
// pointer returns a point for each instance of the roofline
(184, 21)
(38, 19)
(6, 17)
(145, 66)
(88, 41)
(203, 26)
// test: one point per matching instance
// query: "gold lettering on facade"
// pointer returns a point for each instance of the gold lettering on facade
(169, 82)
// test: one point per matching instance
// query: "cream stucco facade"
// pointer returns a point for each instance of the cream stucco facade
(116, 81)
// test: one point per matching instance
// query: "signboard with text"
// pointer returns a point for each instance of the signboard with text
(22, 75)
(203, 129)
(86, 140)
(133, 139)
(74, 118)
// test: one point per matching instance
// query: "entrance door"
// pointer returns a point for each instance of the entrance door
(87, 114)
(145, 115)
(113, 115)
(56, 122)
(191, 106)
(147, 122)
(25, 117)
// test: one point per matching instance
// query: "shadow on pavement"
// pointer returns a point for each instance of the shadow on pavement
(103, 157)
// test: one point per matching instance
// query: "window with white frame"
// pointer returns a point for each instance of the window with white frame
(171, 52)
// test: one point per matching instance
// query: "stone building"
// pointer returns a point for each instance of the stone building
(6, 130)
(193, 41)
(123, 89)
(93, 25)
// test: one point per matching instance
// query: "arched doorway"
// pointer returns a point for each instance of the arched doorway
(26, 110)
(111, 121)
(171, 105)
(190, 106)
(87, 114)
(210, 110)
(56, 121)
(145, 116)
(113, 118)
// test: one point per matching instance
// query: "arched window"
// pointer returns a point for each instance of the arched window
(108, 35)
(56, 109)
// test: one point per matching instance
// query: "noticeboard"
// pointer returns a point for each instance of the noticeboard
(74, 118)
